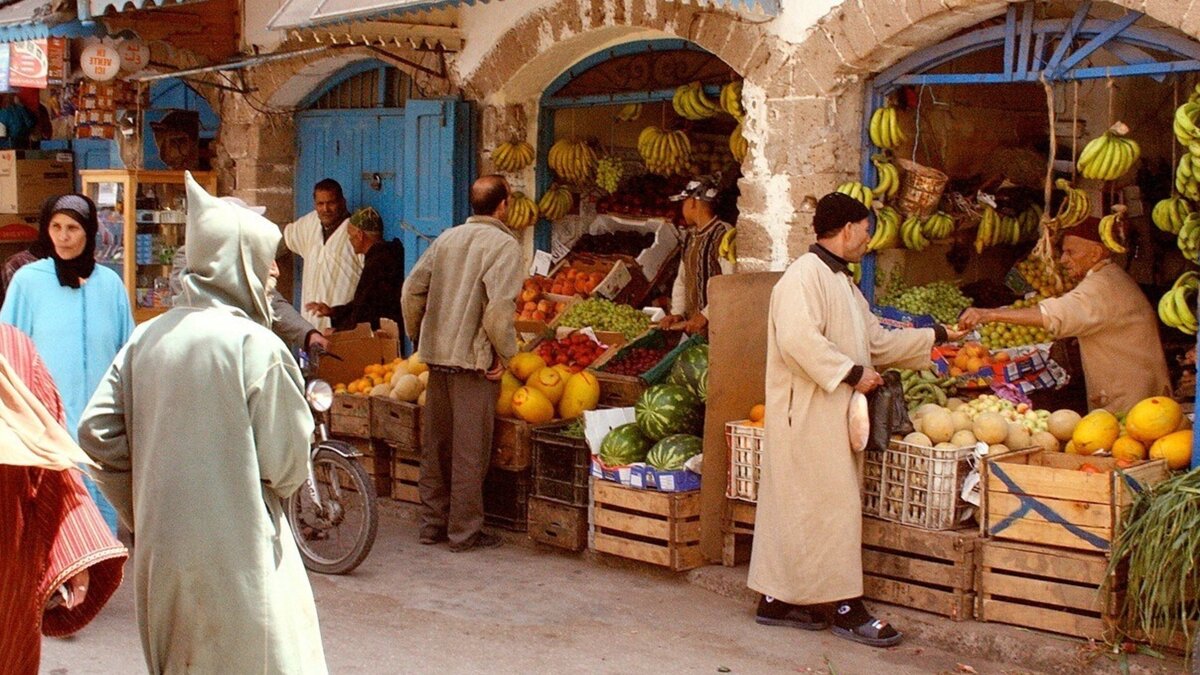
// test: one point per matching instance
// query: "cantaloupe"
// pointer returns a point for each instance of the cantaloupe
(937, 425)
(407, 388)
(1062, 424)
(954, 403)
(925, 409)
(1095, 432)
(415, 365)
(1152, 418)
(962, 421)
(1046, 441)
(991, 428)
(1017, 438)
(381, 390)
(424, 378)
(918, 438)
(998, 449)
(963, 438)
(421, 399)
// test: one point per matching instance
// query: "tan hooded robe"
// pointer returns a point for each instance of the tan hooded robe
(808, 534)
(201, 430)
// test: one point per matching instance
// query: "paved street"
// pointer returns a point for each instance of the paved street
(521, 609)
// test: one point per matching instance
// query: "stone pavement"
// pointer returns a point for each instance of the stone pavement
(523, 608)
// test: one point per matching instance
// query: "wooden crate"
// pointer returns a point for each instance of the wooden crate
(506, 499)
(619, 391)
(1041, 497)
(1051, 589)
(377, 460)
(350, 416)
(397, 423)
(406, 473)
(737, 531)
(662, 528)
(512, 444)
(557, 524)
(933, 571)
(561, 465)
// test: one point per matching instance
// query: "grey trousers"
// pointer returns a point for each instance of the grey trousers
(456, 432)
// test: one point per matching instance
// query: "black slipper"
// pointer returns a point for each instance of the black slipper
(875, 633)
(778, 613)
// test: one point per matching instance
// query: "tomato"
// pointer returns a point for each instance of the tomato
(1090, 468)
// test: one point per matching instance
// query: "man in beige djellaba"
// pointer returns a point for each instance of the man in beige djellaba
(823, 344)
(201, 431)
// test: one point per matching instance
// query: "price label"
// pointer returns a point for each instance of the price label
(541, 264)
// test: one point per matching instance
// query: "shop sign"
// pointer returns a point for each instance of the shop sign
(100, 62)
(28, 65)
(135, 56)
(4, 88)
(56, 56)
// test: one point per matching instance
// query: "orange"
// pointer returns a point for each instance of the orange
(758, 412)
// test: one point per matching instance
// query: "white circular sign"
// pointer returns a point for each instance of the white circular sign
(100, 62)
(135, 56)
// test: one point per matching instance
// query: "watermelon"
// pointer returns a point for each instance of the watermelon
(624, 445)
(666, 409)
(670, 453)
(690, 370)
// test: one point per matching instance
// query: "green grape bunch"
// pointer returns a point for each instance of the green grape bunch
(601, 314)
(609, 172)
(941, 299)
(999, 335)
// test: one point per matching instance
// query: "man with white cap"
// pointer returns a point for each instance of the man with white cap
(701, 259)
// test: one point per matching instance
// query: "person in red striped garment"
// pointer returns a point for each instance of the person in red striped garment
(59, 563)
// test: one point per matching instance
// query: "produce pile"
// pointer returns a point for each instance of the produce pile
(536, 392)
(924, 386)
(600, 314)
(532, 305)
(576, 350)
(400, 380)
(636, 360)
(1002, 335)
(941, 299)
(1043, 279)
(669, 418)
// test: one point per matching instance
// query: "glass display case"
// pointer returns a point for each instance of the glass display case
(142, 218)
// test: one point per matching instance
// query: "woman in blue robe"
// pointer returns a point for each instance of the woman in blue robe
(76, 311)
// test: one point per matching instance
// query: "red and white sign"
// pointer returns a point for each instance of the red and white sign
(135, 56)
(57, 50)
(28, 65)
(100, 62)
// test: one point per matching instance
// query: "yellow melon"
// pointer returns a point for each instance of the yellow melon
(525, 364)
(581, 392)
(415, 365)
(549, 382)
(991, 428)
(564, 371)
(532, 406)
(1069, 448)
(1175, 447)
(1153, 418)
(1128, 448)
(1097, 431)
(509, 384)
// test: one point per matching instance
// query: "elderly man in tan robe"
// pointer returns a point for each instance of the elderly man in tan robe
(823, 343)
(1119, 345)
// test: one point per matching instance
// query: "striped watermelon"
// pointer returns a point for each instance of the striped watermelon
(666, 409)
(691, 370)
(670, 453)
(624, 445)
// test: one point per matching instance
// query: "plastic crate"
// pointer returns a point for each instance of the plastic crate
(561, 465)
(745, 459)
(506, 499)
(872, 482)
(922, 486)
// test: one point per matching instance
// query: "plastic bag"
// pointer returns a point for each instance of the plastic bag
(889, 414)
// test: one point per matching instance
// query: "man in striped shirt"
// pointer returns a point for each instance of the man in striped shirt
(331, 267)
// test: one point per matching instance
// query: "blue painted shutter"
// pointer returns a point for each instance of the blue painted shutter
(437, 173)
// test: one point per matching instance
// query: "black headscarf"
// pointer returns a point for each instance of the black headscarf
(83, 211)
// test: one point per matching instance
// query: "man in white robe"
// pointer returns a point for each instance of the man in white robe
(201, 431)
(823, 343)
(320, 237)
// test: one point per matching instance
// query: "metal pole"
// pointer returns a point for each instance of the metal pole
(234, 65)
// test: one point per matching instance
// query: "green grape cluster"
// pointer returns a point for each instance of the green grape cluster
(1002, 335)
(600, 314)
(608, 174)
(941, 299)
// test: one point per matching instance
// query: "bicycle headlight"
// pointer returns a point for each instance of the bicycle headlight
(319, 395)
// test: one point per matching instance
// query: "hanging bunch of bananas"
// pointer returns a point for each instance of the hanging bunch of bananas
(511, 157)
(731, 100)
(1168, 214)
(737, 144)
(690, 102)
(1189, 237)
(912, 233)
(1075, 208)
(1109, 156)
(887, 229)
(855, 272)
(884, 128)
(664, 152)
(609, 172)
(1109, 226)
(857, 190)
(938, 226)
(1186, 131)
(889, 177)
(629, 112)
(727, 249)
(522, 211)
(1175, 306)
(556, 202)
(1187, 182)
(1028, 222)
(988, 233)
(572, 160)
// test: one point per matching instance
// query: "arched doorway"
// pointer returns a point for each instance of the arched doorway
(408, 158)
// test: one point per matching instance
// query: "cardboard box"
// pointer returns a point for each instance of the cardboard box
(351, 351)
(28, 177)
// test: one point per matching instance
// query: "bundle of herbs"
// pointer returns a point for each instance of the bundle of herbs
(1161, 544)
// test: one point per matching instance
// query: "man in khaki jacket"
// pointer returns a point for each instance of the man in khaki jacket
(458, 305)
(1119, 345)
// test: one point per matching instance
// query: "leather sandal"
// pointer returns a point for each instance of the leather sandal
(875, 633)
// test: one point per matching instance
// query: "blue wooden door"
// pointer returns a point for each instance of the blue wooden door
(437, 171)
